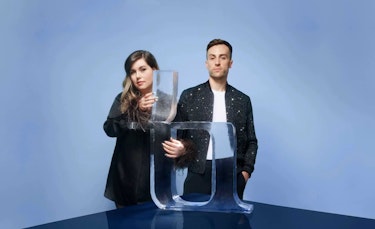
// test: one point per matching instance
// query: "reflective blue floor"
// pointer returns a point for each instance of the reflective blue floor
(264, 216)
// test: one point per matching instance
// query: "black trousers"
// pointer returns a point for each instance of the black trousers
(201, 183)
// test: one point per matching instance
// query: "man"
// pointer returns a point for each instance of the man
(216, 101)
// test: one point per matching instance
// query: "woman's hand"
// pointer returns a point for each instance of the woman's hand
(146, 101)
(173, 148)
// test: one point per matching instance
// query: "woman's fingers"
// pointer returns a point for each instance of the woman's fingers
(147, 101)
(173, 148)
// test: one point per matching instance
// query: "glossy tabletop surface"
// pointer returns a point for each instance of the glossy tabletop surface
(264, 216)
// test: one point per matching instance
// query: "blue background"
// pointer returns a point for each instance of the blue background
(307, 65)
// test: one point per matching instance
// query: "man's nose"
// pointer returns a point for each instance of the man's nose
(217, 62)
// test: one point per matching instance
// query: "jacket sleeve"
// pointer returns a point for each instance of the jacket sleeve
(252, 142)
(115, 123)
(190, 147)
(190, 155)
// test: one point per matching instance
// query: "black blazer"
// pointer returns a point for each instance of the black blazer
(196, 104)
(128, 180)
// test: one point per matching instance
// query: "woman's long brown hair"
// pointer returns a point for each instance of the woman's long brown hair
(130, 94)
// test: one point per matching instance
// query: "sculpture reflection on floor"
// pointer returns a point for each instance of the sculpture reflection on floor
(166, 184)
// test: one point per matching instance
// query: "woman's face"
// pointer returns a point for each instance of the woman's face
(141, 75)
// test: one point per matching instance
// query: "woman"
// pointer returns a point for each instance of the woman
(128, 181)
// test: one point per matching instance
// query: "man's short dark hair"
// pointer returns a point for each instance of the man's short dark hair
(220, 42)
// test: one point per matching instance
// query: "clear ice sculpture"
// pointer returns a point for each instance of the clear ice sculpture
(166, 179)
(165, 89)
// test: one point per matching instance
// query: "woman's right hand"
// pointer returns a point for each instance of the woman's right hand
(146, 101)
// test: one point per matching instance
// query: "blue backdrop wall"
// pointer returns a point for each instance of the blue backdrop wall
(307, 65)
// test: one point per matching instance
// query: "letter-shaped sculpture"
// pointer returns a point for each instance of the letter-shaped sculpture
(165, 179)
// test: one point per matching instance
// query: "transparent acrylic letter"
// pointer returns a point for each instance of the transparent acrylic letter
(164, 185)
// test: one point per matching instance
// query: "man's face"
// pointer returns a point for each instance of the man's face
(218, 61)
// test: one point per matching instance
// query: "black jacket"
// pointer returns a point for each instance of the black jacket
(128, 179)
(196, 104)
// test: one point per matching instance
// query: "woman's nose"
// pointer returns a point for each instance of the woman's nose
(138, 74)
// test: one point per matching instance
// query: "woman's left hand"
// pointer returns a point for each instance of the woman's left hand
(173, 148)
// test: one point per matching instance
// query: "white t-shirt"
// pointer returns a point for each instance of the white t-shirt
(219, 115)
